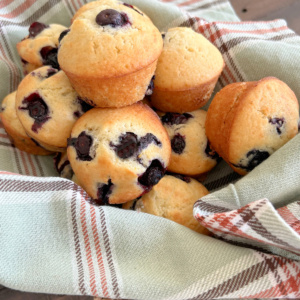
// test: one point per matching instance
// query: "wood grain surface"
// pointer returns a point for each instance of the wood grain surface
(256, 10)
(8, 294)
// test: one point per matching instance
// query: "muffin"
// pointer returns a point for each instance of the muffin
(118, 154)
(247, 121)
(28, 67)
(191, 153)
(48, 106)
(15, 130)
(62, 165)
(110, 53)
(187, 71)
(40, 46)
(172, 198)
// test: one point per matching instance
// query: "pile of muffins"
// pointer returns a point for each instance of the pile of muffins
(120, 103)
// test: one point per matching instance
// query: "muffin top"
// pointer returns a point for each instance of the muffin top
(247, 122)
(191, 153)
(48, 106)
(127, 148)
(9, 115)
(109, 38)
(172, 198)
(188, 60)
(40, 46)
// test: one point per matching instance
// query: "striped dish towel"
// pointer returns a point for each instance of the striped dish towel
(53, 241)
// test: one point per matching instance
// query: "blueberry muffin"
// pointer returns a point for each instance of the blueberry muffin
(15, 130)
(110, 53)
(191, 153)
(62, 165)
(172, 198)
(48, 106)
(187, 71)
(247, 121)
(28, 67)
(40, 46)
(118, 154)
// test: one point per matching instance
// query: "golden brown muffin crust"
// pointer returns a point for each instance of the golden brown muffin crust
(105, 126)
(242, 118)
(29, 48)
(173, 198)
(14, 128)
(112, 52)
(61, 100)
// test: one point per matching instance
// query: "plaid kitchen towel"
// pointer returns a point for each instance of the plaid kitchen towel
(54, 241)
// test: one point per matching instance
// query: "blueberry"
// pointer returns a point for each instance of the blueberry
(184, 178)
(128, 5)
(178, 143)
(152, 175)
(36, 28)
(111, 17)
(103, 193)
(211, 153)
(84, 105)
(254, 158)
(82, 145)
(50, 72)
(84, 108)
(49, 56)
(278, 122)
(150, 87)
(148, 139)
(37, 108)
(129, 145)
(175, 118)
(77, 114)
(57, 159)
(63, 34)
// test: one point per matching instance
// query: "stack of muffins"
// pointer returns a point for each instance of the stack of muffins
(120, 103)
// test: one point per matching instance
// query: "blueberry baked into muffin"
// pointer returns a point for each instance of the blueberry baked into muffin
(187, 71)
(118, 154)
(110, 53)
(247, 121)
(62, 165)
(191, 153)
(15, 130)
(172, 198)
(40, 46)
(48, 107)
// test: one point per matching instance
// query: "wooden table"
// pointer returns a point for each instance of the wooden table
(254, 10)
